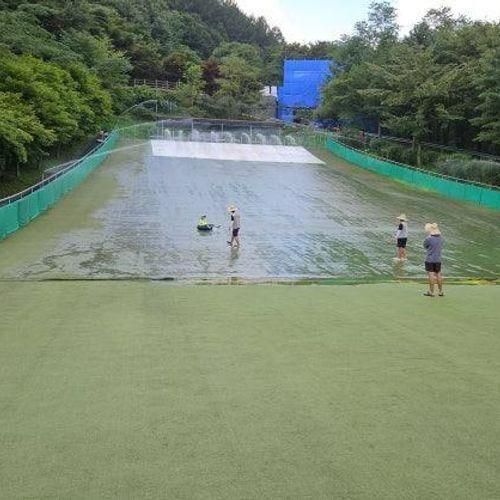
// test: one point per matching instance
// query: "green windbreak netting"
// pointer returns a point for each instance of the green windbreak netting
(27, 209)
(8, 220)
(18, 212)
(453, 188)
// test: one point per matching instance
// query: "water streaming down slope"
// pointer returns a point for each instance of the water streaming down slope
(136, 217)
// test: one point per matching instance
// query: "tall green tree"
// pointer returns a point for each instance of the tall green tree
(177, 62)
(488, 84)
(109, 64)
(21, 132)
(189, 90)
(248, 53)
(239, 79)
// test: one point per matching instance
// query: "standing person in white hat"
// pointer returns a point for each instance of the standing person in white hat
(402, 237)
(433, 245)
(235, 226)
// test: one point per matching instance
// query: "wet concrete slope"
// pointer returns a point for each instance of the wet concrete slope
(136, 217)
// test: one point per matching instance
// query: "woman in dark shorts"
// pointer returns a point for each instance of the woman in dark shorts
(433, 245)
(402, 237)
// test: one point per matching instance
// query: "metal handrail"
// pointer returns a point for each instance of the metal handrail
(35, 187)
(157, 84)
(222, 121)
(433, 145)
(411, 167)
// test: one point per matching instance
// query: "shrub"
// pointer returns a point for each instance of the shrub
(487, 172)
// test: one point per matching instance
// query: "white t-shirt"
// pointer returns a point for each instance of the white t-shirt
(402, 230)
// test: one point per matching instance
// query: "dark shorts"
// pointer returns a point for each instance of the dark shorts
(402, 242)
(433, 267)
(236, 232)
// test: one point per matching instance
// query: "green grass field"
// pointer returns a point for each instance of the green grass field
(150, 390)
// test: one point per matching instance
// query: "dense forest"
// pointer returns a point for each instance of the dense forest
(440, 83)
(66, 65)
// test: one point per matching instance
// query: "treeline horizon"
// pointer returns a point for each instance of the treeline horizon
(439, 83)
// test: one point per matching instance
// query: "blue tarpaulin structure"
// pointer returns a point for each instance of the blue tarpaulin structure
(302, 84)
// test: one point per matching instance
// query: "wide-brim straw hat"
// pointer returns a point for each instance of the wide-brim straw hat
(232, 208)
(432, 228)
(403, 218)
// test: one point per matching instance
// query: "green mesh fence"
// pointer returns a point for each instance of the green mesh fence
(453, 188)
(19, 210)
(140, 131)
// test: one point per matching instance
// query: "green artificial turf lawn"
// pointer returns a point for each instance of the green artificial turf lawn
(144, 390)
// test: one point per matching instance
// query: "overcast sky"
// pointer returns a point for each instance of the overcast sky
(311, 20)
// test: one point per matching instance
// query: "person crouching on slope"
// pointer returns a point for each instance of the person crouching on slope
(402, 237)
(203, 224)
(433, 244)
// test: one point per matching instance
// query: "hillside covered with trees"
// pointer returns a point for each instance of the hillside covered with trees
(66, 66)
(440, 83)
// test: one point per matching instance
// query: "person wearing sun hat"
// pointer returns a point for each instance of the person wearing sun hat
(433, 245)
(402, 236)
(235, 225)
